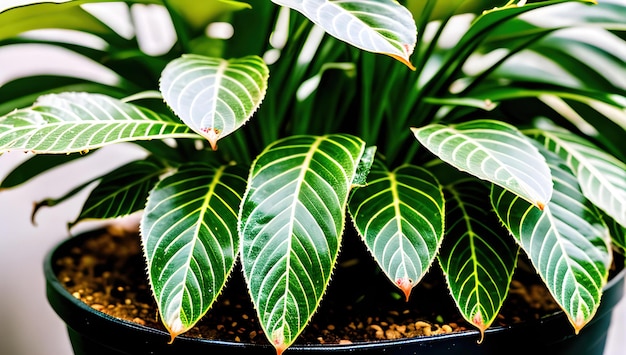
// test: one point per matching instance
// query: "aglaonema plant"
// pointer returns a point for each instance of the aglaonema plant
(444, 137)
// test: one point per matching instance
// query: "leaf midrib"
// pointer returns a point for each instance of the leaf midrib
(521, 183)
(472, 235)
(204, 208)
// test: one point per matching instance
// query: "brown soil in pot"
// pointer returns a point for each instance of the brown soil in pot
(360, 304)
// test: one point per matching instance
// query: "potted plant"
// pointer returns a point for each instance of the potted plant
(458, 139)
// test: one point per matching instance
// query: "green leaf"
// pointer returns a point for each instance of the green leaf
(601, 176)
(477, 256)
(494, 151)
(189, 234)
(68, 15)
(123, 191)
(291, 222)
(378, 26)
(400, 216)
(364, 167)
(199, 14)
(33, 167)
(618, 233)
(79, 122)
(214, 96)
(567, 242)
(50, 202)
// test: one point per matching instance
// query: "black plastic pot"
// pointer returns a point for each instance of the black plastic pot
(95, 333)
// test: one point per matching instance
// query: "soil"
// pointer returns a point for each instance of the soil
(361, 304)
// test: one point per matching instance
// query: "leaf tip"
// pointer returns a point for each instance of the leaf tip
(406, 285)
(479, 323)
(540, 205)
(404, 60)
(212, 135)
(579, 323)
(175, 328)
(278, 340)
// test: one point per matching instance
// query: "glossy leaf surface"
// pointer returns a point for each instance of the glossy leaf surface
(478, 256)
(378, 26)
(214, 96)
(400, 216)
(602, 177)
(567, 242)
(122, 191)
(494, 151)
(189, 235)
(78, 122)
(291, 222)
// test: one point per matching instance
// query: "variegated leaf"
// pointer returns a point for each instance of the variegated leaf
(478, 256)
(214, 96)
(189, 235)
(378, 26)
(79, 122)
(494, 151)
(400, 216)
(601, 176)
(291, 221)
(122, 191)
(567, 242)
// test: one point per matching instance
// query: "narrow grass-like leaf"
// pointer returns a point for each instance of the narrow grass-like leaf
(400, 216)
(122, 191)
(291, 222)
(601, 176)
(79, 122)
(494, 151)
(478, 256)
(567, 242)
(214, 96)
(189, 235)
(378, 26)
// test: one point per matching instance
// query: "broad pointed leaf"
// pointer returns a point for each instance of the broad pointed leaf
(214, 96)
(494, 151)
(189, 234)
(477, 256)
(400, 215)
(567, 242)
(122, 191)
(79, 122)
(601, 176)
(291, 222)
(378, 26)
